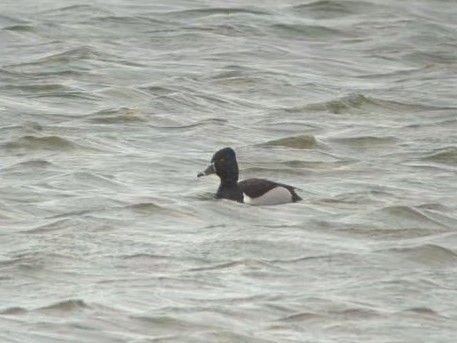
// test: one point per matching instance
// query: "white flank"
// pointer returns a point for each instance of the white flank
(275, 196)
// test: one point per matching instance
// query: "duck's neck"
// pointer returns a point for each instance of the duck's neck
(228, 189)
(229, 182)
(229, 177)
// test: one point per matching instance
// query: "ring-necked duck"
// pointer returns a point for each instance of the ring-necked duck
(250, 191)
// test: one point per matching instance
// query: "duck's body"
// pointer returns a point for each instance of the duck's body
(250, 191)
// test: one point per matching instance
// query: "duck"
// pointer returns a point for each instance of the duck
(252, 191)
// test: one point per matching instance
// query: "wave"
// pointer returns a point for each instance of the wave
(362, 104)
(167, 322)
(412, 217)
(205, 12)
(20, 28)
(364, 142)
(346, 314)
(307, 31)
(242, 264)
(30, 142)
(423, 311)
(297, 142)
(116, 116)
(153, 258)
(146, 207)
(70, 305)
(69, 55)
(427, 254)
(201, 123)
(34, 163)
(8, 21)
(444, 155)
(73, 10)
(129, 20)
(333, 8)
(16, 310)
(42, 90)
(54, 225)
(11, 76)
(65, 60)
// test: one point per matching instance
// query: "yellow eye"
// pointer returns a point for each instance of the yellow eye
(222, 160)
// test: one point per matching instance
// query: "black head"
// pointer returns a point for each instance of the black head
(224, 165)
(224, 158)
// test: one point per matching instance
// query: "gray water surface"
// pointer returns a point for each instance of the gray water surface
(108, 109)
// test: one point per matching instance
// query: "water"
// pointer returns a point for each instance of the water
(110, 108)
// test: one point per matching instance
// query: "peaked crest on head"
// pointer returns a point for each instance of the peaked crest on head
(225, 153)
(224, 165)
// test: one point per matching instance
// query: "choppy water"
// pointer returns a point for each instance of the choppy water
(110, 108)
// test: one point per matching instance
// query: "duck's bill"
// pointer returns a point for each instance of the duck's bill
(208, 171)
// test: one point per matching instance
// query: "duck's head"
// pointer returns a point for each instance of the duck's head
(224, 165)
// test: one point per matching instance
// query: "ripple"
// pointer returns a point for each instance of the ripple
(425, 311)
(344, 314)
(14, 311)
(73, 10)
(409, 217)
(9, 21)
(20, 28)
(36, 163)
(201, 123)
(206, 12)
(381, 232)
(117, 116)
(42, 90)
(66, 306)
(68, 56)
(166, 323)
(309, 31)
(66, 60)
(219, 266)
(366, 142)
(297, 142)
(443, 155)
(230, 336)
(300, 317)
(13, 75)
(83, 180)
(427, 254)
(31, 143)
(55, 225)
(130, 20)
(29, 166)
(327, 9)
(146, 207)
(250, 252)
(157, 260)
(361, 104)
(431, 57)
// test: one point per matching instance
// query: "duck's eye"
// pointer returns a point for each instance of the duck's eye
(221, 160)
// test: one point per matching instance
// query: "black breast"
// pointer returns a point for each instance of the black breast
(231, 193)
